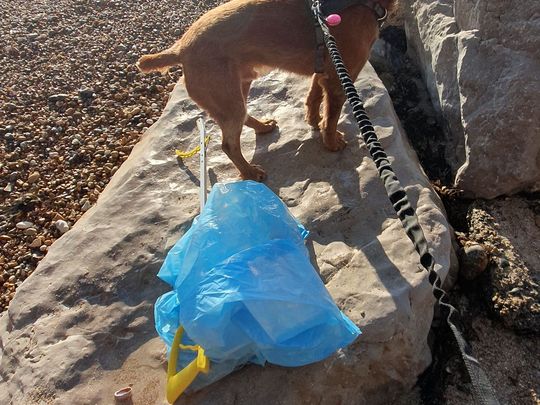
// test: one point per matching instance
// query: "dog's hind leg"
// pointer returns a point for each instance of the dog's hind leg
(217, 88)
(313, 102)
(260, 127)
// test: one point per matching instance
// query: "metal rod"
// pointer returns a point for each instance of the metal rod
(203, 176)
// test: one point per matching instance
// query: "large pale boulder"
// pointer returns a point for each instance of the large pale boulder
(481, 63)
(81, 326)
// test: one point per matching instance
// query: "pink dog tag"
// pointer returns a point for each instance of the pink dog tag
(333, 19)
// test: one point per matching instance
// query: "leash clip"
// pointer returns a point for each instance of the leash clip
(381, 12)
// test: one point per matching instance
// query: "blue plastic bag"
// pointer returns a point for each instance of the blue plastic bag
(244, 288)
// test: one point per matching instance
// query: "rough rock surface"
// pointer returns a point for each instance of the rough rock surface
(481, 62)
(81, 326)
(508, 230)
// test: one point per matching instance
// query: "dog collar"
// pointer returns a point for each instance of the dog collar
(328, 7)
(325, 8)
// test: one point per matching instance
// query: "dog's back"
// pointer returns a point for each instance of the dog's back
(252, 32)
(276, 33)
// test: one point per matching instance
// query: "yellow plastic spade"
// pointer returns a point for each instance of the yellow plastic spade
(177, 382)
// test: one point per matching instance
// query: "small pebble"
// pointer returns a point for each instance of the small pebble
(86, 206)
(58, 97)
(10, 107)
(86, 93)
(62, 226)
(36, 243)
(473, 261)
(24, 225)
(30, 231)
(33, 177)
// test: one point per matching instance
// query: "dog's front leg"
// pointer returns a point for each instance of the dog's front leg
(231, 131)
(313, 102)
(334, 98)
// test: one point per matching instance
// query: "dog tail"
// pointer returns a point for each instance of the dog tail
(160, 62)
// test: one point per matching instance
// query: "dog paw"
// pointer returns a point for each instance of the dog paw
(266, 127)
(255, 172)
(335, 143)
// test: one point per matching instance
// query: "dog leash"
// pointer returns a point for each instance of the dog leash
(482, 389)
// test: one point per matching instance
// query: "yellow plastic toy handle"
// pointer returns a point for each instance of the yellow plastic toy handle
(177, 382)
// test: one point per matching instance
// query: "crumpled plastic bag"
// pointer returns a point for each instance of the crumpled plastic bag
(244, 288)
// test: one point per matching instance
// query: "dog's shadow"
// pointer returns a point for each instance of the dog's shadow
(351, 219)
(306, 162)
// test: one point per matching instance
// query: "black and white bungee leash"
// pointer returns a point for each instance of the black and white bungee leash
(483, 391)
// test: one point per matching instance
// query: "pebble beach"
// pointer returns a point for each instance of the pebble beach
(72, 106)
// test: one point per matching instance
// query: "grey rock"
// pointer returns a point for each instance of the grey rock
(481, 63)
(81, 325)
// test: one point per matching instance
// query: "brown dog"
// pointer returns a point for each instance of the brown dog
(223, 51)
